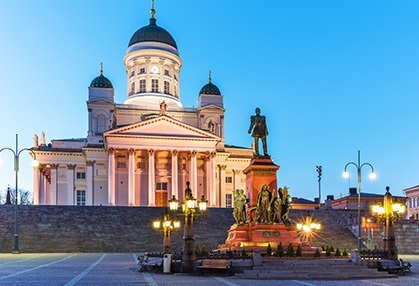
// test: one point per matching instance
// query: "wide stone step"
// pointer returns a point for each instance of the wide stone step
(329, 269)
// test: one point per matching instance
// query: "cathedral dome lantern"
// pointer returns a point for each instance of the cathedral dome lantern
(153, 67)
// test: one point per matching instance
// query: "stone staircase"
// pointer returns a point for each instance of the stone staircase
(315, 269)
(333, 232)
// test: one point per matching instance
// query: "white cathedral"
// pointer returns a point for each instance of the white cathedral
(143, 151)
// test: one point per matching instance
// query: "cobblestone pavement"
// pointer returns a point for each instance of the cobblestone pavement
(121, 269)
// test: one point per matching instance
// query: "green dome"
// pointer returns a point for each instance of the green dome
(210, 88)
(152, 33)
(101, 81)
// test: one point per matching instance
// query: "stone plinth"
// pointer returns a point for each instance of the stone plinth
(260, 171)
(258, 236)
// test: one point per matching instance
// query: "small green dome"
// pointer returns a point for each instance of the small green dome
(210, 88)
(101, 81)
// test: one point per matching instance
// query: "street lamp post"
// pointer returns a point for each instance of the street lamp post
(372, 176)
(388, 214)
(319, 178)
(167, 225)
(189, 255)
(16, 154)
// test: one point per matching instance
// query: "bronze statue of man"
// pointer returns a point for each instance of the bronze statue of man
(258, 129)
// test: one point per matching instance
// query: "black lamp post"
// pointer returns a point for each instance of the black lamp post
(388, 214)
(16, 154)
(167, 225)
(319, 178)
(188, 208)
(372, 176)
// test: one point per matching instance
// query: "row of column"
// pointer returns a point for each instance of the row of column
(193, 176)
(46, 185)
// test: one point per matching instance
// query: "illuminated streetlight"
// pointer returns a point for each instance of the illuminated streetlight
(345, 174)
(388, 214)
(188, 209)
(35, 163)
(307, 228)
(167, 226)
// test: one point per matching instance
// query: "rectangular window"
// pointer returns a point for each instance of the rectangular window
(132, 88)
(229, 180)
(132, 72)
(81, 198)
(161, 186)
(166, 72)
(142, 85)
(154, 85)
(166, 87)
(142, 70)
(80, 175)
(229, 202)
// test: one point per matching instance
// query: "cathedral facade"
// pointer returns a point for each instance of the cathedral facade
(143, 151)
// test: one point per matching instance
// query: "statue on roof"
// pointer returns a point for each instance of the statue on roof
(43, 138)
(35, 140)
(163, 108)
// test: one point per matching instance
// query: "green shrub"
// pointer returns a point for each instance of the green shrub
(323, 248)
(337, 252)
(328, 253)
(290, 251)
(299, 252)
(317, 253)
(269, 250)
(279, 250)
(197, 249)
(204, 250)
(331, 249)
(345, 253)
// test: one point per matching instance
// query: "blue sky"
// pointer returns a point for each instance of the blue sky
(332, 77)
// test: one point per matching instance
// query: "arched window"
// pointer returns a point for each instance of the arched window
(101, 123)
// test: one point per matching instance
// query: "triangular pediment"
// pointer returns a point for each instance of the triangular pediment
(212, 107)
(161, 127)
(100, 101)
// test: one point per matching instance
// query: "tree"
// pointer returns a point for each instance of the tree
(299, 252)
(279, 250)
(24, 197)
(269, 250)
(317, 253)
(290, 251)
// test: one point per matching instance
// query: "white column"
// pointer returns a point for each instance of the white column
(54, 184)
(90, 132)
(212, 190)
(69, 200)
(111, 179)
(193, 176)
(221, 126)
(151, 179)
(89, 183)
(175, 175)
(131, 177)
(36, 175)
(223, 185)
